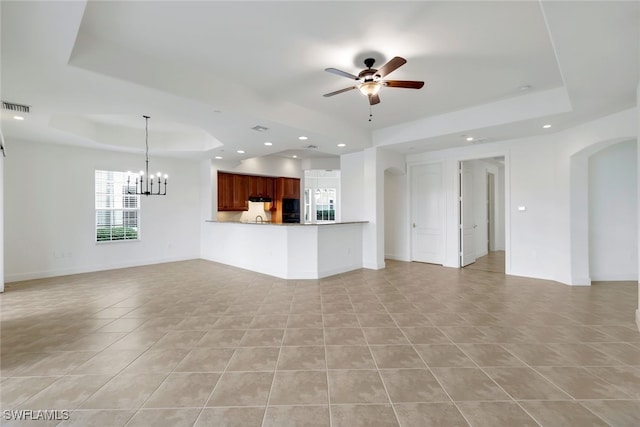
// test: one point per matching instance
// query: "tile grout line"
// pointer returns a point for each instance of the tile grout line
(501, 388)
(141, 407)
(97, 390)
(275, 368)
(446, 297)
(326, 360)
(173, 371)
(426, 364)
(393, 408)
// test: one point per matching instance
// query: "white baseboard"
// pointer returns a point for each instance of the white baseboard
(580, 281)
(373, 265)
(33, 275)
(333, 271)
(397, 257)
(615, 277)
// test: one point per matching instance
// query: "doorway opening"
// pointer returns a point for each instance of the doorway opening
(481, 210)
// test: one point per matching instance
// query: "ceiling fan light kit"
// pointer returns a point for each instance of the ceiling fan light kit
(370, 81)
(369, 88)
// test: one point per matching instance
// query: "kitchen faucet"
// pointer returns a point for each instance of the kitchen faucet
(261, 220)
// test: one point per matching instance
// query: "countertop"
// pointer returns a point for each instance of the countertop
(288, 224)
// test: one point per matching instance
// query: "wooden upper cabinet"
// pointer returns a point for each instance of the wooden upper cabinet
(241, 192)
(234, 190)
(260, 186)
(270, 187)
(225, 191)
(291, 188)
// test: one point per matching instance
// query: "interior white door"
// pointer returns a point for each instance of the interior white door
(491, 212)
(467, 226)
(427, 218)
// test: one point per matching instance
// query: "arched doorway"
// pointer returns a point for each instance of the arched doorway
(583, 229)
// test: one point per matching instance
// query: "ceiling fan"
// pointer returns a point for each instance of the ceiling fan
(369, 81)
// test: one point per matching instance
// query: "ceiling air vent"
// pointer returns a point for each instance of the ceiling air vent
(479, 140)
(12, 106)
(311, 147)
(259, 128)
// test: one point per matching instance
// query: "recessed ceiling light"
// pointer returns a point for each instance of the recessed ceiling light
(302, 138)
(219, 157)
(342, 145)
(524, 88)
(295, 157)
(268, 143)
(18, 117)
(469, 138)
(546, 126)
(240, 151)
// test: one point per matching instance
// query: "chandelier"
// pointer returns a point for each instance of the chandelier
(144, 181)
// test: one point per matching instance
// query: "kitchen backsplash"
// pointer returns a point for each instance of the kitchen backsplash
(255, 209)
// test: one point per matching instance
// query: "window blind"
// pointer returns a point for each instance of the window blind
(117, 212)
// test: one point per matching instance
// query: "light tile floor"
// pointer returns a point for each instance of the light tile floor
(199, 343)
(493, 261)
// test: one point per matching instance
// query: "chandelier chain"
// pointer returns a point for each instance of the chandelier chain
(144, 181)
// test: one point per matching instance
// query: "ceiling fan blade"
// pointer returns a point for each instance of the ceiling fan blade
(340, 91)
(408, 84)
(374, 99)
(390, 66)
(341, 73)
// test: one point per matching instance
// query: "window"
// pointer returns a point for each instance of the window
(325, 204)
(307, 205)
(117, 213)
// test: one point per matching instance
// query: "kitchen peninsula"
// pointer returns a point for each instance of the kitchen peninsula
(288, 251)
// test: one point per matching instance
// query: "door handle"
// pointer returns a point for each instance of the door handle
(414, 225)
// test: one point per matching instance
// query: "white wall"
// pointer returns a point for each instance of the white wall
(50, 212)
(580, 143)
(613, 213)
(499, 213)
(538, 241)
(396, 224)
(285, 251)
(362, 183)
(324, 163)
(380, 160)
(351, 186)
(2, 160)
(638, 157)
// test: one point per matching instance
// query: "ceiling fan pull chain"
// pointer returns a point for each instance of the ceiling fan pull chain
(370, 113)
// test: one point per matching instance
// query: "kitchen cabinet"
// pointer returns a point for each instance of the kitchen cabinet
(289, 188)
(271, 188)
(241, 192)
(261, 186)
(225, 191)
(233, 192)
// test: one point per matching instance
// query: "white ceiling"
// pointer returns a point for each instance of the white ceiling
(208, 71)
